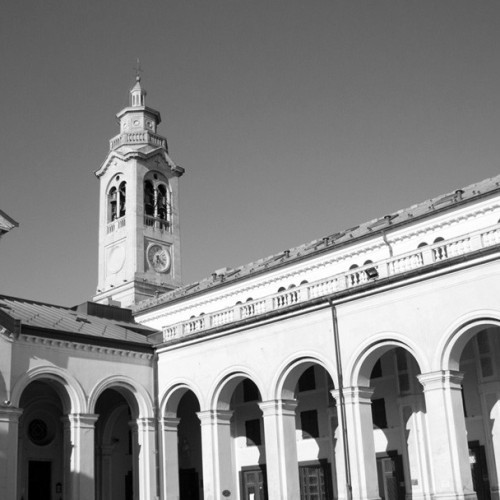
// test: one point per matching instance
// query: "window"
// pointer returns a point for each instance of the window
(378, 413)
(250, 391)
(484, 351)
(307, 381)
(117, 198)
(252, 432)
(403, 370)
(157, 203)
(377, 369)
(309, 424)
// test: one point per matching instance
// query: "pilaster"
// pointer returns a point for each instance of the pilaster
(9, 435)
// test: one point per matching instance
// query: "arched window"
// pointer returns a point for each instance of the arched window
(423, 244)
(122, 198)
(157, 203)
(117, 198)
(149, 199)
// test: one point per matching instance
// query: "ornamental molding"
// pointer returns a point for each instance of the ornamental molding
(114, 155)
(82, 347)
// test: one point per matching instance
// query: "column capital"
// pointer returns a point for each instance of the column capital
(169, 423)
(10, 414)
(354, 394)
(142, 424)
(285, 407)
(81, 420)
(218, 417)
(441, 379)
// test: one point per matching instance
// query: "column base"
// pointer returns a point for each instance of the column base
(455, 496)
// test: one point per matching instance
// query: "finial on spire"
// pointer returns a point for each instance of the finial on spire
(138, 70)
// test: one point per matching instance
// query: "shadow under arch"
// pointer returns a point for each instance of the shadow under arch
(220, 398)
(135, 395)
(288, 375)
(170, 400)
(448, 357)
(359, 369)
(66, 386)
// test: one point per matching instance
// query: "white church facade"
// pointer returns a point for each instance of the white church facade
(362, 365)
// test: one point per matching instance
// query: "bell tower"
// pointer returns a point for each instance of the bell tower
(139, 244)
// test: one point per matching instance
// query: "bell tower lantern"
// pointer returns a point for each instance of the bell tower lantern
(139, 244)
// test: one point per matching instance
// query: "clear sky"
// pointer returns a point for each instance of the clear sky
(293, 119)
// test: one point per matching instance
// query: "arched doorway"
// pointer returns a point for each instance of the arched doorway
(189, 448)
(389, 379)
(182, 475)
(241, 441)
(43, 458)
(479, 363)
(316, 426)
(116, 447)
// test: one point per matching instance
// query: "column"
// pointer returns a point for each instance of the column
(79, 448)
(104, 479)
(337, 431)
(219, 476)
(9, 434)
(169, 458)
(449, 453)
(281, 449)
(362, 461)
(414, 435)
(144, 458)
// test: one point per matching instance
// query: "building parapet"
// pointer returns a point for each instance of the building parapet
(351, 280)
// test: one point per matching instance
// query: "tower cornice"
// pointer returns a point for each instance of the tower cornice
(114, 155)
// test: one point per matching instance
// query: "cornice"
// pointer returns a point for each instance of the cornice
(83, 347)
(114, 155)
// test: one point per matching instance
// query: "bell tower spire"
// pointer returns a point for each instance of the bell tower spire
(139, 242)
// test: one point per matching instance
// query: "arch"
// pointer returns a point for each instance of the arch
(170, 400)
(66, 386)
(220, 395)
(460, 332)
(136, 395)
(283, 386)
(357, 371)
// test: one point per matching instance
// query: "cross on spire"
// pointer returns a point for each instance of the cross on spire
(138, 70)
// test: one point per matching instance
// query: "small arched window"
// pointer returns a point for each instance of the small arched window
(117, 199)
(423, 244)
(157, 202)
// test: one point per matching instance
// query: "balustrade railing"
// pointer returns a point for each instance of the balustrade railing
(137, 138)
(157, 223)
(353, 278)
(115, 225)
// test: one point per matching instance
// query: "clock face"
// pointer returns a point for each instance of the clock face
(159, 258)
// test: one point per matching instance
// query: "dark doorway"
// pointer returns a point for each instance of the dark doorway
(39, 480)
(253, 484)
(188, 484)
(315, 481)
(391, 482)
(479, 470)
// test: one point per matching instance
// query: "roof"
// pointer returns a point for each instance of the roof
(336, 240)
(38, 318)
(6, 223)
